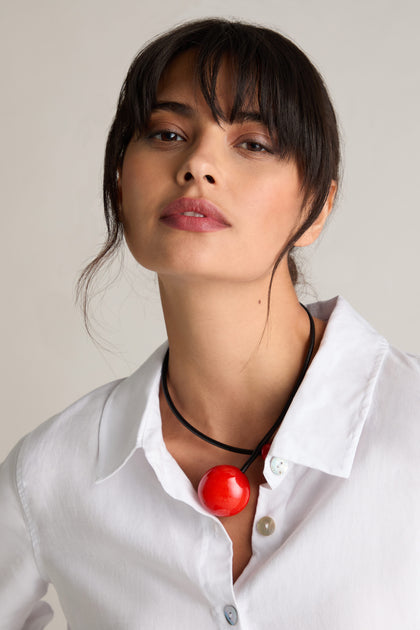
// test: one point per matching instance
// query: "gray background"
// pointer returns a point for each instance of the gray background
(62, 65)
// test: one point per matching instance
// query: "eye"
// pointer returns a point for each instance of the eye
(254, 147)
(166, 135)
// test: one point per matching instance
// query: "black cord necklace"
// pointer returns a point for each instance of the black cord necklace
(224, 490)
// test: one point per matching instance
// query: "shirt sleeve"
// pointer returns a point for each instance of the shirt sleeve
(21, 583)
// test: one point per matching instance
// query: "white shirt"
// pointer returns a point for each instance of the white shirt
(93, 502)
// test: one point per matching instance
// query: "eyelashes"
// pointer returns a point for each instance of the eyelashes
(166, 135)
(254, 146)
(170, 137)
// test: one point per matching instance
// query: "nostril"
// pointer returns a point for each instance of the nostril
(189, 176)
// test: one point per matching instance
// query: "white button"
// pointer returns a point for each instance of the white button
(278, 465)
(231, 615)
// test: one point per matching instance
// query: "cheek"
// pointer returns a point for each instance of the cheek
(137, 191)
(274, 205)
(134, 180)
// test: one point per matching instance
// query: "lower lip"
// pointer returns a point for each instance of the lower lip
(193, 224)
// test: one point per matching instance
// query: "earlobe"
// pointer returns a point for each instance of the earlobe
(315, 229)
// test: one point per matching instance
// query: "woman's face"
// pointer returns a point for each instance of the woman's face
(242, 201)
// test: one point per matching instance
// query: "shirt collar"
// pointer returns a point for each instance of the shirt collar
(323, 424)
(127, 414)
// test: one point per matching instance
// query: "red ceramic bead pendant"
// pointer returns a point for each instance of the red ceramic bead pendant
(224, 490)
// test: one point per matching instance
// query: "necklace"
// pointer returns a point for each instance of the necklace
(224, 490)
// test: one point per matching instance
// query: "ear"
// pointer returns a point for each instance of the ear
(315, 229)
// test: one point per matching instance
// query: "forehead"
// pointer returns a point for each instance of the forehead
(181, 78)
(179, 75)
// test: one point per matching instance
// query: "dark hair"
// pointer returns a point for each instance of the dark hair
(293, 101)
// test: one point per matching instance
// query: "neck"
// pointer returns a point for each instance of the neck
(229, 368)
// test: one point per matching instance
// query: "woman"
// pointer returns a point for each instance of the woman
(257, 470)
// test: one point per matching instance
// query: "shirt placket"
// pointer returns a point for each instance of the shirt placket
(216, 575)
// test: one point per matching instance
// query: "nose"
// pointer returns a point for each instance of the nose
(199, 165)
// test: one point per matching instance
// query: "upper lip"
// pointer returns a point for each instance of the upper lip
(192, 204)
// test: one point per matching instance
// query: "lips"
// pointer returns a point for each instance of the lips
(194, 215)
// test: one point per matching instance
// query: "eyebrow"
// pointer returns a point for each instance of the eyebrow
(243, 116)
(174, 106)
(186, 110)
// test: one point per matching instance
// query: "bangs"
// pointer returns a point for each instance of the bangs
(261, 78)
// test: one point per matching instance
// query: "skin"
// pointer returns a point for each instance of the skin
(230, 382)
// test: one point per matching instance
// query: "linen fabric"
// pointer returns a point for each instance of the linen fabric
(93, 502)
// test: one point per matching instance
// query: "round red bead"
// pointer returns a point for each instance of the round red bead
(224, 490)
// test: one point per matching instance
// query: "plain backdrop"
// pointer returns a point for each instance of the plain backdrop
(62, 66)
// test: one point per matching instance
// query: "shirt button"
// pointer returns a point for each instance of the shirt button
(278, 465)
(231, 615)
(266, 526)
